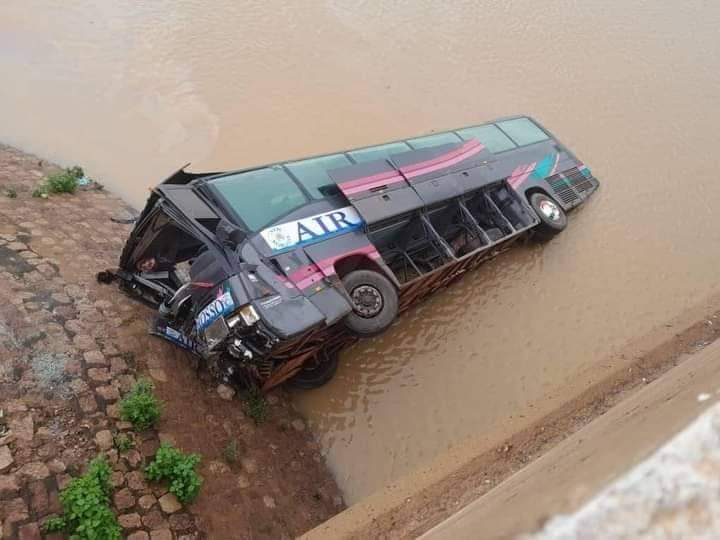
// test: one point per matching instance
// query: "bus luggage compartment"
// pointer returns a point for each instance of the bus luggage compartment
(418, 242)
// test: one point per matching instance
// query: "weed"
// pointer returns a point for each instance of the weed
(122, 442)
(231, 450)
(140, 406)
(11, 193)
(255, 405)
(61, 182)
(178, 469)
(86, 506)
(55, 524)
(75, 171)
(40, 192)
(65, 181)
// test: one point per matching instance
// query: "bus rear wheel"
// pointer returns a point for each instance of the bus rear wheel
(316, 371)
(553, 219)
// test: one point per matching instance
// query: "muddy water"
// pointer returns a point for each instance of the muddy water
(133, 92)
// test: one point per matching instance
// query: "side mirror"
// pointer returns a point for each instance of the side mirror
(236, 237)
(230, 235)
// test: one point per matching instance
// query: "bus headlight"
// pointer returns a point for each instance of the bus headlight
(248, 315)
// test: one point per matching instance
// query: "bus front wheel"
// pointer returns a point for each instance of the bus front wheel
(374, 302)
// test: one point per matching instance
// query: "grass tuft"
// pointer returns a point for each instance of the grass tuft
(256, 405)
(123, 442)
(231, 452)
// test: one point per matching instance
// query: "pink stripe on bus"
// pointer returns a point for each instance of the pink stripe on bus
(469, 149)
(520, 174)
(370, 185)
(472, 143)
(308, 275)
(367, 179)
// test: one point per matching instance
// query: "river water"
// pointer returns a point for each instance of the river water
(134, 91)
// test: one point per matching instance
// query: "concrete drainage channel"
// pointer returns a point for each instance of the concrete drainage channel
(480, 490)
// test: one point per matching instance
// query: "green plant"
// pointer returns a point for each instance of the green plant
(65, 181)
(140, 406)
(86, 506)
(75, 171)
(61, 182)
(231, 450)
(178, 469)
(255, 405)
(55, 524)
(122, 442)
(40, 192)
(11, 193)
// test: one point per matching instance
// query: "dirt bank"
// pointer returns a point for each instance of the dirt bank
(69, 348)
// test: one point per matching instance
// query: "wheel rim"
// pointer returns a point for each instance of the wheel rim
(549, 210)
(367, 301)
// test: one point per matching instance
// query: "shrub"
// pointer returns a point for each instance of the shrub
(122, 442)
(65, 181)
(255, 405)
(140, 406)
(75, 171)
(11, 193)
(61, 182)
(178, 469)
(86, 506)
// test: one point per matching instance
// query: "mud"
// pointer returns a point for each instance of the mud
(630, 86)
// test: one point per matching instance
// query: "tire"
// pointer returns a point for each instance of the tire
(316, 372)
(375, 303)
(553, 219)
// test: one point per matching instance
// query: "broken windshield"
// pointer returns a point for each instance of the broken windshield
(261, 196)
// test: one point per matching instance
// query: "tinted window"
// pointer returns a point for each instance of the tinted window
(494, 139)
(523, 131)
(312, 173)
(434, 140)
(379, 152)
(260, 197)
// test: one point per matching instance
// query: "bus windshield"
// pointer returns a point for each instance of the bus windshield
(261, 196)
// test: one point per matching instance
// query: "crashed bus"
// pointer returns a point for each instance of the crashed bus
(267, 273)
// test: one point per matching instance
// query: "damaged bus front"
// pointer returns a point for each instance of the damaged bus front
(267, 273)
